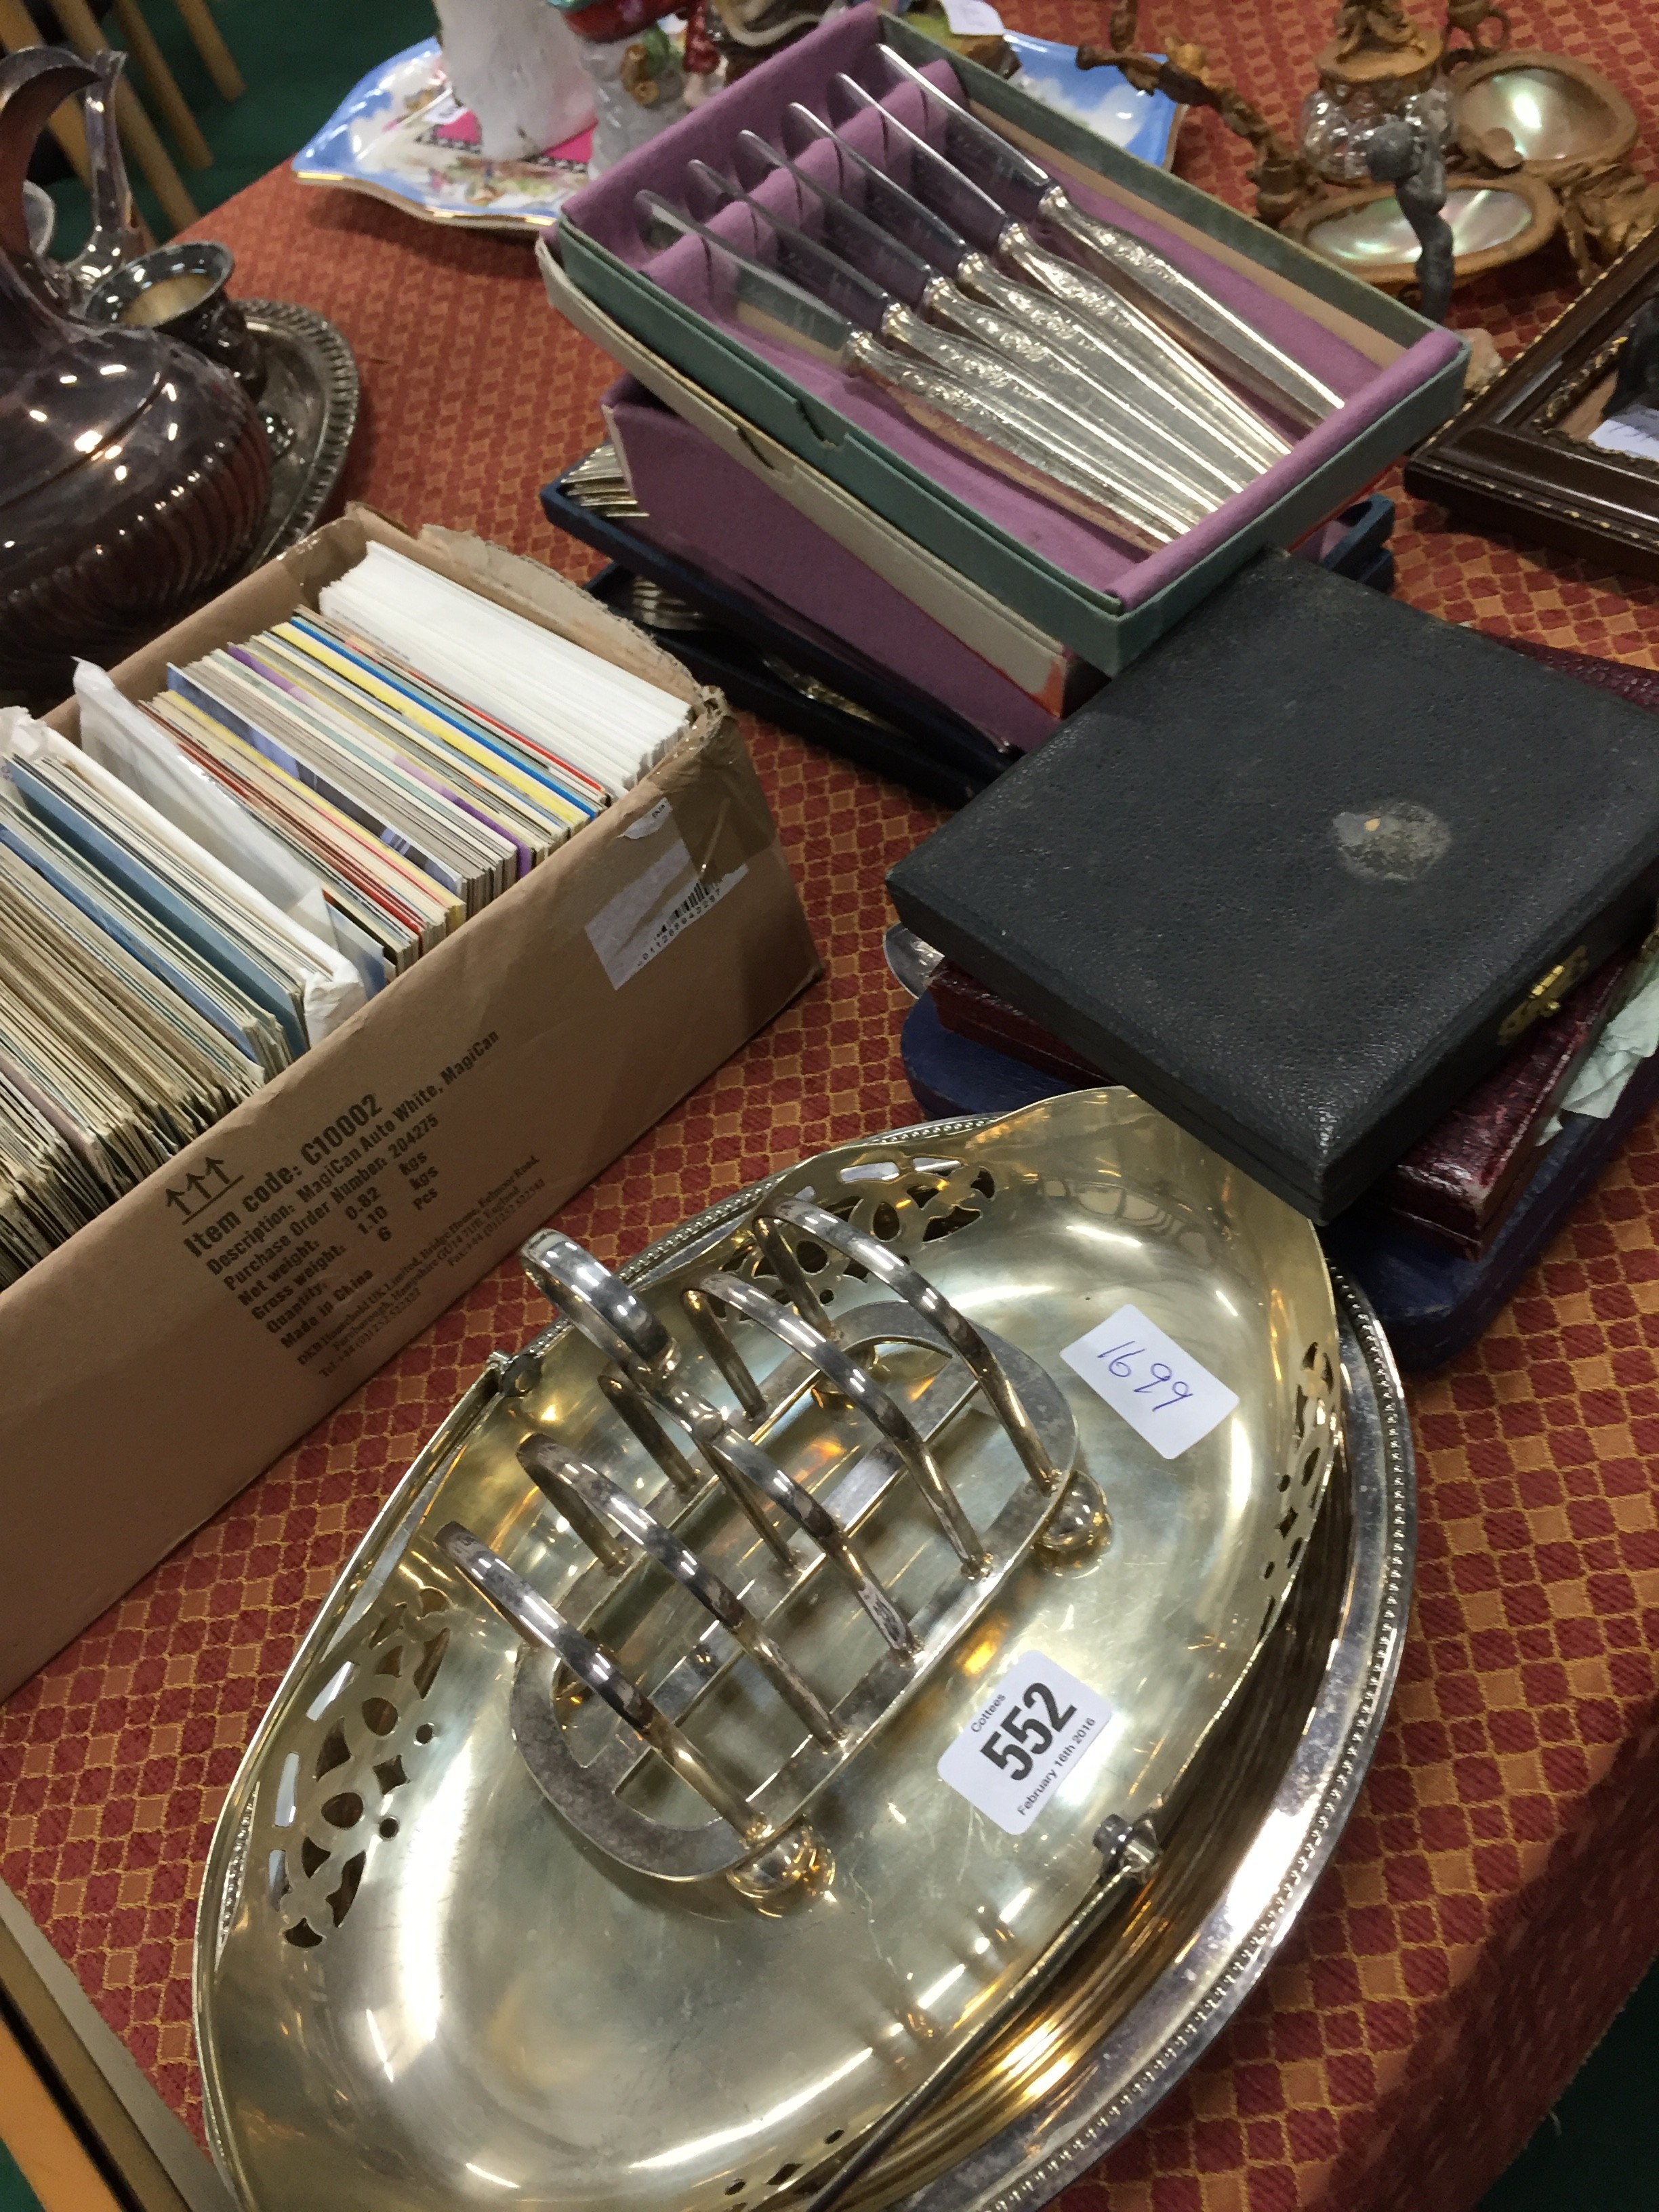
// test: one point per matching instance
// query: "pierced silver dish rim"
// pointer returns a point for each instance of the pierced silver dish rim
(1117, 2085)
(1135, 2065)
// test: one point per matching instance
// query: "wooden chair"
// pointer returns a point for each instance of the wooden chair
(198, 21)
(80, 29)
(17, 31)
(163, 86)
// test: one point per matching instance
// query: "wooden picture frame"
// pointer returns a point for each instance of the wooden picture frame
(81, 2129)
(1515, 458)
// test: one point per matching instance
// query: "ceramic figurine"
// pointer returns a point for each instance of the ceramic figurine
(640, 83)
(639, 89)
(746, 32)
(518, 66)
(134, 474)
(701, 60)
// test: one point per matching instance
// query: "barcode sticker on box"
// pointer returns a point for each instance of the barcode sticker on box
(639, 921)
(1160, 1390)
(1040, 1727)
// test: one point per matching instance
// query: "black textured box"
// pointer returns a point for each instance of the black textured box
(1296, 875)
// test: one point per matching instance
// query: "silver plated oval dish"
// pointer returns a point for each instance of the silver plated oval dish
(1493, 221)
(805, 1718)
(1552, 113)
(1262, 1813)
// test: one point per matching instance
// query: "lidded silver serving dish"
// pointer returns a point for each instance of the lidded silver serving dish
(804, 1729)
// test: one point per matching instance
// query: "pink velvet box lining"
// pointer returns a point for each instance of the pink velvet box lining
(705, 509)
(606, 211)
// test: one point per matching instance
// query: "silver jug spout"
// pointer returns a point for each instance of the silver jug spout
(117, 236)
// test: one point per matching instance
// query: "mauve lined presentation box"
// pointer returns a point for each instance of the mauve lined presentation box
(173, 1348)
(1398, 376)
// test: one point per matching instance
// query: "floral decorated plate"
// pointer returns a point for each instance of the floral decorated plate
(402, 136)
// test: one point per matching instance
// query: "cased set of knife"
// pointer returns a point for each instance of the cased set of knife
(962, 280)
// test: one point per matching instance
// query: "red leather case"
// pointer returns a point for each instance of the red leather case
(1459, 1183)
(1639, 685)
(968, 1010)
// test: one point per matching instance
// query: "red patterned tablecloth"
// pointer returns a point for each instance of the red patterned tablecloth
(1495, 1898)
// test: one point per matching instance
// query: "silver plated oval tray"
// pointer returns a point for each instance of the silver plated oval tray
(625, 1832)
(309, 406)
(1264, 1811)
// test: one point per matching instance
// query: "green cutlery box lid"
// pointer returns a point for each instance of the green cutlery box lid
(1399, 375)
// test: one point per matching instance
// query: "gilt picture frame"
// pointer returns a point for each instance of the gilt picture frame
(1516, 458)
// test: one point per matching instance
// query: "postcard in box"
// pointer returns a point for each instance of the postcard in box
(159, 1360)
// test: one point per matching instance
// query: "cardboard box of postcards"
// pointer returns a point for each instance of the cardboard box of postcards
(168, 1353)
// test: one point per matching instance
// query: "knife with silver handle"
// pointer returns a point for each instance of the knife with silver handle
(1024, 325)
(987, 431)
(988, 228)
(1139, 360)
(1166, 292)
(1098, 325)
(1104, 311)
(868, 302)
(1088, 412)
